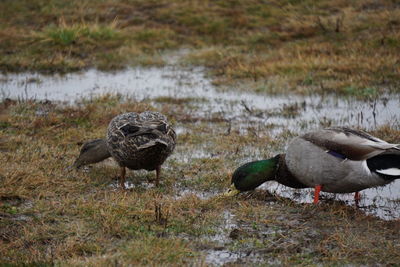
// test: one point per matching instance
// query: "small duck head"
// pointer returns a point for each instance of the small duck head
(92, 151)
(252, 174)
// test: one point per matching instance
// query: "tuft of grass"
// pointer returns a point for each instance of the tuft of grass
(65, 35)
(62, 36)
(178, 101)
(361, 92)
(152, 39)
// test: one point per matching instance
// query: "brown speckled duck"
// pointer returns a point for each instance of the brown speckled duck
(135, 141)
(337, 160)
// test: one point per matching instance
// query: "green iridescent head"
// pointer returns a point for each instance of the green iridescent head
(251, 175)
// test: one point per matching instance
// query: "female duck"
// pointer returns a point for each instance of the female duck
(338, 160)
(135, 141)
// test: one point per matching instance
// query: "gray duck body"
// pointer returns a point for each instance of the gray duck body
(140, 140)
(340, 159)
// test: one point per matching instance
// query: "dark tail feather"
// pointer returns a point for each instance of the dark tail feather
(385, 165)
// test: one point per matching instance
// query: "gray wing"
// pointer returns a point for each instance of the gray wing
(352, 144)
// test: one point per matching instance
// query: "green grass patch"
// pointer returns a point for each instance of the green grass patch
(67, 35)
(367, 92)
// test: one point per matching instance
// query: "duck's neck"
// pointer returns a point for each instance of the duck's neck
(251, 175)
(284, 176)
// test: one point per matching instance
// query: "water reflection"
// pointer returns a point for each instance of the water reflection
(383, 202)
(291, 111)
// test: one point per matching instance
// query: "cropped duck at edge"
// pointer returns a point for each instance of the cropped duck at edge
(135, 141)
(337, 160)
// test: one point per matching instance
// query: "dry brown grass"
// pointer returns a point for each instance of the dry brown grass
(51, 215)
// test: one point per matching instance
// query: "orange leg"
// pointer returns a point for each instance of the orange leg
(357, 197)
(158, 171)
(316, 193)
(122, 178)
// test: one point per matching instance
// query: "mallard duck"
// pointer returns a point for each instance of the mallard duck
(135, 141)
(337, 160)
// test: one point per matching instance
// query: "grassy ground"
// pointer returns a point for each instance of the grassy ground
(347, 47)
(51, 215)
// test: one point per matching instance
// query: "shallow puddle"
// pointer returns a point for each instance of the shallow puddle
(203, 195)
(383, 202)
(220, 255)
(231, 230)
(241, 109)
(287, 111)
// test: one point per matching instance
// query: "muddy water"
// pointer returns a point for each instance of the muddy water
(182, 83)
(242, 108)
(220, 255)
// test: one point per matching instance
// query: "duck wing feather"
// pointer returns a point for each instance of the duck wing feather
(141, 131)
(352, 144)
